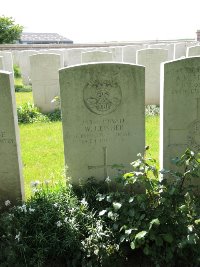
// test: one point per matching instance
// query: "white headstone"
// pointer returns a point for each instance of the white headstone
(2, 65)
(11, 180)
(169, 47)
(193, 51)
(103, 118)
(45, 80)
(96, 56)
(24, 64)
(8, 61)
(129, 53)
(151, 59)
(180, 109)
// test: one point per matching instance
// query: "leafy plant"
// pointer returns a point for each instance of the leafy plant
(53, 228)
(162, 221)
(152, 110)
(28, 113)
(17, 71)
(9, 31)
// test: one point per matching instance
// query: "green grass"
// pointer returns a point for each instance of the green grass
(42, 152)
(42, 146)
(23, 97)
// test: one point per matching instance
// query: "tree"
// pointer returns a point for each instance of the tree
(9, 31)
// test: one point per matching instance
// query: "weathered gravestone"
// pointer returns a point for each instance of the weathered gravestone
(103, 117)
(11, 181)
(96, 56)
(129, 53)
(45, 80)
(152, 58)
(180, 109)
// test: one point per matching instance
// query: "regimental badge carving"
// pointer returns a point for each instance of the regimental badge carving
(194, 136)
(102, 96)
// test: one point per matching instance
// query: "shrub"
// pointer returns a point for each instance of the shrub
(163, 220)
(17, 71)
(28, 113)
(23, 88)
(53, 228)
(152, 110)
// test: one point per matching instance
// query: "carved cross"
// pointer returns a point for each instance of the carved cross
(105, 165)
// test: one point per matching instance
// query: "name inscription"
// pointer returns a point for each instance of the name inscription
(99, 131)
(4, 139)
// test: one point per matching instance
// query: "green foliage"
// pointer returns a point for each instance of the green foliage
(9, 31)
(28, 113)
(163, 220)
(23, 88)
(17, 71)
(53, 228)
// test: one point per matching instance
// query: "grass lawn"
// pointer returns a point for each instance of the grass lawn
(42, 146)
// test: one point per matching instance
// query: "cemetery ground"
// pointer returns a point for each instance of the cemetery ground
(99, 224)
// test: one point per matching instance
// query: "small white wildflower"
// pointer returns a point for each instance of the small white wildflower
(55, 205)
(18, 236)
(84, 202)
(35, 183)
(7, 203)
(31, 210)
(22, 208)
(66, 220)
(72, 210)
(59, 224)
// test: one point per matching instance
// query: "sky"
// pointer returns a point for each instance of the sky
(86, 21)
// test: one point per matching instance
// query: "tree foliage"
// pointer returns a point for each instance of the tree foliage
(9, 31)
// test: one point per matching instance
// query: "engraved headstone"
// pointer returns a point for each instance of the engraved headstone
(152, 58)
(96, 56)
(45, 80)
(180, 109)
(11, 180)
(103, 117)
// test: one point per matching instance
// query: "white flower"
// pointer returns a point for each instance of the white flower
(58, 223)
(22, 208)
(55, 205)
(66, 219)
(84, 202)
(35, 183)
(7, 203)
(18, 236)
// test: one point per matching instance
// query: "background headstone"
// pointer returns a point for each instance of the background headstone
(103, 117)
(2, 65)
(151, 59)
(11, 180)
(180, 109)
(193, 51)
(45, 80)
(8, 61)
(96, 56)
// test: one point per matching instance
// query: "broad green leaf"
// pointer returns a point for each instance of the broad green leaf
(141, 235)
(133, 245)
(117, 205)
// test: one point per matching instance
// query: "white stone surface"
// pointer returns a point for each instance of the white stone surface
(45, 80)
(180, 109)
(96, 56)
(2, 65)
(129, 53)
(24, 64)
(8, 61)
(103, 118)
(170, 47)
(11, 180)
(193, 51)
(151, 59)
